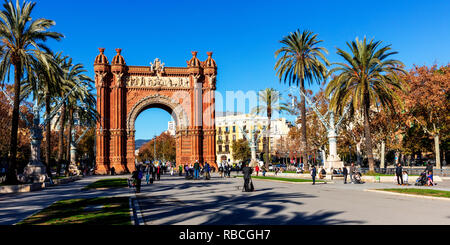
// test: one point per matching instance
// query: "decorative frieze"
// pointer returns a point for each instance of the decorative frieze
(157, 82)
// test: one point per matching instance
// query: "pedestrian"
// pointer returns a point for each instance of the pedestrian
(147, 174)
(429, 168)
(113, 171)
(207, 169)
(352, 172)
(196, 170)
(405, 178)
(345, 173)
(180, 170)
(248, 185)
(158, 172)
(398, 173)
(137, 176)
(257, 170)
(221, 170)
(313, 174)
(153, 169)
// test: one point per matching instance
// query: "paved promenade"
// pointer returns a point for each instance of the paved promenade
(218, 201)
(174, 200)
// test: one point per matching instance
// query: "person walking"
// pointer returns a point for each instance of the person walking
(399, 173)
(221, 170)
(257, 170)
(158, 172)
(313, 174)
(248, 185)
(345, 173)
(137, 176)
(206, 170)
(352, 172)
(196, 170)
(147, 174)
(180, 170)
(429, 168)
(153, 171)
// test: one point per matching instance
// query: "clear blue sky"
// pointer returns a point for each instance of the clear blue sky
(242, 34)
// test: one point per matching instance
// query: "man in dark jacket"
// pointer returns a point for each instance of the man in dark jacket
(206, 170)
(352, 172)
(399, 172)
(313, 174)
(196, 170)
(247, 171)
(345, 173)
(429, 168)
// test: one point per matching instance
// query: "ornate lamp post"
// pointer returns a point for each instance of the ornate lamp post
(253, 139)
(333, 160)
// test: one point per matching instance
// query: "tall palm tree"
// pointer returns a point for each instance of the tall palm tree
(22, 37)
(367, 78)
(301, 59)
(268, 101)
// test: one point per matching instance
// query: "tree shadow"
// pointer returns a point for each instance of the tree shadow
(264, 208)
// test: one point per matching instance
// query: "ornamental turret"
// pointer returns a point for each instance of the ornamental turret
(209, 65)
(194, 64)
(101, 63)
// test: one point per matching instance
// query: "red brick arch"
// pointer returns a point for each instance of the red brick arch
(123, 92)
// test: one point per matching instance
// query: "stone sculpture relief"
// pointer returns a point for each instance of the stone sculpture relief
(170, 82)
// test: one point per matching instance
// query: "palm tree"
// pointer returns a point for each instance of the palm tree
(368, 78)
(22, 37)
(301, 60)
(269, 101)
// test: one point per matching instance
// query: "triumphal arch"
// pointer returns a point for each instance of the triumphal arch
(124, 91)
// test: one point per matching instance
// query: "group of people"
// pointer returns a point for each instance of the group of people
(152, 172)
(225, 170)
(425, 178)
(193, 171)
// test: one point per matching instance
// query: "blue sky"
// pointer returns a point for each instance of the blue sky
(242, 34)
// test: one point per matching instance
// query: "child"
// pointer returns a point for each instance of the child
(430, 178)
(405, 178)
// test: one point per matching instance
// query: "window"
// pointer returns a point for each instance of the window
(220, 148)
(227, 148)
(234, 129)
(226, 129)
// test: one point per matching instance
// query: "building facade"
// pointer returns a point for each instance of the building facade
(234, 127)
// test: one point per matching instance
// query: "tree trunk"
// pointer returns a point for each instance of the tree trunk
(368, 136)
(69, 138)
(383, 147)
(303, 118)
(48, 135)
(61, 138)
(11, 177)
(267, 139)
(437, 152)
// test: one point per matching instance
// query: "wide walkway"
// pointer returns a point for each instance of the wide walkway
(174, 200)
(218, 201)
